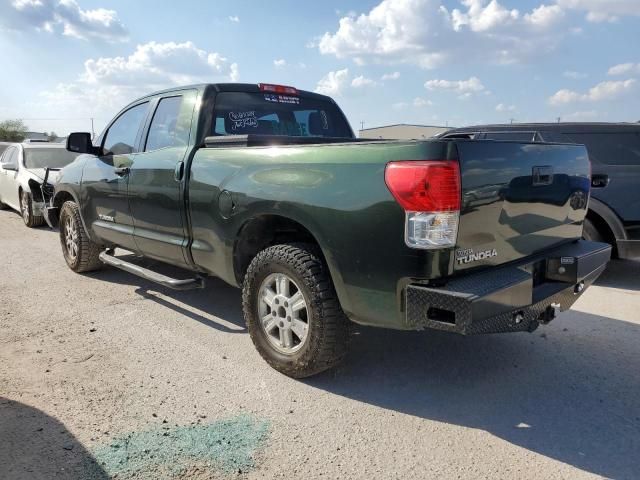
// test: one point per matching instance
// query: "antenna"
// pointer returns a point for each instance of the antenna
(361, 124)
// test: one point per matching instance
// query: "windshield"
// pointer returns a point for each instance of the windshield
(47, 157)
(239, 113)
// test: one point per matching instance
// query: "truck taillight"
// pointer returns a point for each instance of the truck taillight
(429, 192)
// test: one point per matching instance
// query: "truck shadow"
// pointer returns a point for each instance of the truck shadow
(34, 445)
(218, 305)
(570, 392)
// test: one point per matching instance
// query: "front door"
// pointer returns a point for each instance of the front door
(105, 204)
(156, 180)
(9, 179)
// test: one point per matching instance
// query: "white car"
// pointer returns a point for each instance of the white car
(24, 168)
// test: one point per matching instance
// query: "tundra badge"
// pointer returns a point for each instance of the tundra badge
(468, 255)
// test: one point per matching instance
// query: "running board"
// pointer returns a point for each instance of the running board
(173, 283)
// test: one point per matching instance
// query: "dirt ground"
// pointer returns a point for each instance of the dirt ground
(108, 376)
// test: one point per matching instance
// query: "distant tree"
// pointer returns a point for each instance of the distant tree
(13, 131)
(52, 137)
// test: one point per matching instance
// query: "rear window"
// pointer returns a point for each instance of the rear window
(3, 148)
(610, 148)
(47, 157)
(239, 113)
(509, 136)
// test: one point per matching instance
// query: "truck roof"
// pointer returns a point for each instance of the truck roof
(233, 87)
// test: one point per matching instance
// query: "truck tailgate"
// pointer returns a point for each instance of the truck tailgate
(518, 199)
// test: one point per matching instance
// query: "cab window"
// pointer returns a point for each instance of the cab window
(166, 130)
(122, 134)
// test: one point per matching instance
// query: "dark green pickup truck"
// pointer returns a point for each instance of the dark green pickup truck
(265, 187)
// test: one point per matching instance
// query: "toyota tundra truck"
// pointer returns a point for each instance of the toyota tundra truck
(266, 187)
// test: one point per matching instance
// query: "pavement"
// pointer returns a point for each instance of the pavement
(105, 375)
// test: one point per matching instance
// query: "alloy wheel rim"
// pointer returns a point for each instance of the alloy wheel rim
(283, 313)
(71, 238)
(24, 203)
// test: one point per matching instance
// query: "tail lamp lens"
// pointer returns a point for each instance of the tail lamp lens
(429, 192)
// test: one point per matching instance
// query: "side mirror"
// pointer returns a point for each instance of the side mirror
(80, 142)
(10, 166)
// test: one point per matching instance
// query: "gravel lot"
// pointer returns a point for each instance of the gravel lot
(108, 375)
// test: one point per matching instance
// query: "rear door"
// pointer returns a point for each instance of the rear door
(105, 204)
(156, 179)
(518, 199)
(615, 156)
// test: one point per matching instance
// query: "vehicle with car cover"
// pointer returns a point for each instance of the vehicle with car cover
(265, 187)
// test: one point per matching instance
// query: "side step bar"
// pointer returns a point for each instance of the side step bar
(173, 283)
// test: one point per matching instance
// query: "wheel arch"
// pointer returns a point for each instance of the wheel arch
(266, 229)
(606, 221)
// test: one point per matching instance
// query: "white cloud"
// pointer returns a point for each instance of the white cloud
(426, 33)
(234, 18)
(400, 105)
(501, 107)
(603, 10)
(603, 91)
(545, 16)
(66, 17)
(279, 63)
(390, 76)
(624, 68)
(464, 87)
(362, 81)
(420, 102)
(574, 75)
(333, 83)
(108, 83)
(481, 17)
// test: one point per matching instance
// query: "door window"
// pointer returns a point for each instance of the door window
(122, 134)
(166, 129)
(615, 148)
(10, 156)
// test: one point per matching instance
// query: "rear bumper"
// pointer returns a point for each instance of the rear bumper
(628, 249)
(510, 298)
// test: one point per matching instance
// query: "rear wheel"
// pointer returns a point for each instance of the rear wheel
(80, 253)
(26, 210)
(292, 311)
(590, 232)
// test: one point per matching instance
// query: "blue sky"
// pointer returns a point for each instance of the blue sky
(437, 62)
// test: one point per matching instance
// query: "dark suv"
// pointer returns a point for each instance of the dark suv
(614, 150)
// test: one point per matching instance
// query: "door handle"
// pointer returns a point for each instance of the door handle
(122, 171)
(599, 181)
(179, 171)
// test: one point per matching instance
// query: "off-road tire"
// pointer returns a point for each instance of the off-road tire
(86, 259)
(26, 211)
(590, 232)
(328, 327)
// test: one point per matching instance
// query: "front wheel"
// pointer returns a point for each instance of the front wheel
(80, 253)
(292, 311)
(30, 219)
